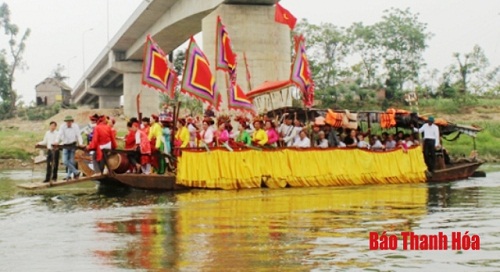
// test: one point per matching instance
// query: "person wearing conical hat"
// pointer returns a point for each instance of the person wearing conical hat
(69, 136)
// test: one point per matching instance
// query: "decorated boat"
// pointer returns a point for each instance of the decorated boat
(239, 168)
(249, 167)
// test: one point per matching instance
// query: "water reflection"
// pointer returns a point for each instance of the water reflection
(293, 229)
(255, 230)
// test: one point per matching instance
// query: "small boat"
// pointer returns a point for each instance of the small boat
(219, 168)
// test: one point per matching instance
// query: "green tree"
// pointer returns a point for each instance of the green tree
(327, 48)
(5, 93)
(447, 89)
(194, 106)
(403, 39)
(470, 71)
(179, 60)
(362, 41)
(15, 52)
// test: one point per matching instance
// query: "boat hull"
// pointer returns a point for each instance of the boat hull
(144, 182)
(458, 171)
(455, 172)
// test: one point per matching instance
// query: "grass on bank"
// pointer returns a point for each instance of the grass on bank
(17, 144)
(450, 106)
(487, 142)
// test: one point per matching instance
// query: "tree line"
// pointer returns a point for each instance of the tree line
(351, 64)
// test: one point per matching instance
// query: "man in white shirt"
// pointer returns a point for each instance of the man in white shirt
(376, 144)
(69, 135)
(362, 143)
(322, 141)
(288, 133)
(302, 141)
(431, 142)
(285, 129)
(52, 152)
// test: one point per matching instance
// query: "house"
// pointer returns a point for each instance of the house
(52, 90)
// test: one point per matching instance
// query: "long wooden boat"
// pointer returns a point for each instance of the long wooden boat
(219, 168)
(411, 167)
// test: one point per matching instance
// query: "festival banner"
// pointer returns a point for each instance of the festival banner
(225, 57)
(156, 71)
(198, 80)
(237, 100)
(301, 73)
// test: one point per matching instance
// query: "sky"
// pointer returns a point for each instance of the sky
(73, 32)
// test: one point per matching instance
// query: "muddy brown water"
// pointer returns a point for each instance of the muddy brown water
(88, 228)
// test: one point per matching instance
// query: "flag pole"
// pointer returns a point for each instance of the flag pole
(247, 72)
(227, 88)
(138, 105)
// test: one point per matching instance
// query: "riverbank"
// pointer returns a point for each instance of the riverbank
(19, 137)
(17, 147)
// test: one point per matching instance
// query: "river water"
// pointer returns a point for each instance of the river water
(85, 228)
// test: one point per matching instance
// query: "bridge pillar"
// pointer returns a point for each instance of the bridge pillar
(109, 98)
(109, 101)
(266, 44)
(149, 99)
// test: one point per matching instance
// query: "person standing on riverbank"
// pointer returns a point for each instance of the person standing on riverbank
(69, 136)
(52, 152)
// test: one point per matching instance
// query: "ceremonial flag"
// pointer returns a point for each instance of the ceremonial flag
(156, 71)
(301, 74)
(237, 100)
(172, 81)
(284, 16)
(198, 80)
(226, 59)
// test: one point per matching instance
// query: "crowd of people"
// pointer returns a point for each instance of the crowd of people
(100, 135)
(148, 143)
(282, 132)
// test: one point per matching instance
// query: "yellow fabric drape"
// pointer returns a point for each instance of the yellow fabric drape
(299, 168)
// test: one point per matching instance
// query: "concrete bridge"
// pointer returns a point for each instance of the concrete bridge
(250, 23)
